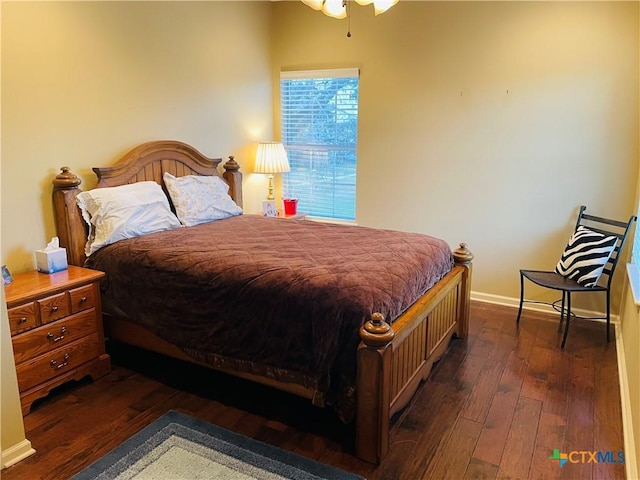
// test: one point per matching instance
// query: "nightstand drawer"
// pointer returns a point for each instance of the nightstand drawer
(54, 307)
(22, 317)
(56, 362)
(54, 335)
(82, 298)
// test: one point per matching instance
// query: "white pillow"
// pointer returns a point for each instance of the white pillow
(116, 213)
(198, 199)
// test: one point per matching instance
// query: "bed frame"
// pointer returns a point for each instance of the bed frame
(392, 359)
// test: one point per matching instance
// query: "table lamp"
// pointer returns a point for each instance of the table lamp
(271, 158)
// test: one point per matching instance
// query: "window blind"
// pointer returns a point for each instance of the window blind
(319, 111)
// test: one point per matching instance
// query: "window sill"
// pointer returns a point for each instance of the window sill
(634, 281)
(332, 220)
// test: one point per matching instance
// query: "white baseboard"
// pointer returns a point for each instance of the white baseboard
(536, 307)
(630, 460)
(18, 452)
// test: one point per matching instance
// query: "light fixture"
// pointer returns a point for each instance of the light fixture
(338, 8)
(271, 158)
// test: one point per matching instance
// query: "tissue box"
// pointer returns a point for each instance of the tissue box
(52, 260)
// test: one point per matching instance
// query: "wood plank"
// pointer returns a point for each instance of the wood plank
(553, 418)
(518, 451)
(479, 469)
(496, 427)
(608, 418)
(550, 436)
(479, 401)
(534, 385)
(581, 416)
(462, 441)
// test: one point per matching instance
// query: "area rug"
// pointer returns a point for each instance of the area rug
(179, 447)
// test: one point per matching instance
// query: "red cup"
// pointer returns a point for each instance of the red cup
(290, 206)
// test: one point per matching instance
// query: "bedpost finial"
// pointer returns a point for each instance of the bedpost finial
(377, 318)
(231, 164)
(376, 332)
(462, 254)
(66, 180)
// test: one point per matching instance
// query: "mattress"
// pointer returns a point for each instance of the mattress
(279, 298)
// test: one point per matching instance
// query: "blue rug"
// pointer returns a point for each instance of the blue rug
(177, 446)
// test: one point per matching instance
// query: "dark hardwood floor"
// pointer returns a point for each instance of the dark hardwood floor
(495, 406)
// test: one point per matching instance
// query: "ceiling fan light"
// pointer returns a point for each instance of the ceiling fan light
(382, 6)
(335, 8)
(338, 8)
(315, 4)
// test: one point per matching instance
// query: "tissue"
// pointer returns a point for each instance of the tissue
(52, 258)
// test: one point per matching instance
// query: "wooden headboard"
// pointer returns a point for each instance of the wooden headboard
(145, 162)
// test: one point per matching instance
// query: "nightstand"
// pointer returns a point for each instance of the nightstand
(56, 330)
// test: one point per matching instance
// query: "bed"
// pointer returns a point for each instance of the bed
(346, 316)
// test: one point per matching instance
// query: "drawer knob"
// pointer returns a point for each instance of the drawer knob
(64, 363)
(22, 320)
(54, 308)
(83, 299)
(51, 336)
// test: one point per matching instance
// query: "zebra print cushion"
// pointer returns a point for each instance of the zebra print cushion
(585, 256)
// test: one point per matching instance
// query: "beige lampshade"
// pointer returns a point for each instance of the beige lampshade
(271, 158)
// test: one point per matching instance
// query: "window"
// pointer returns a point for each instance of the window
(319, 131)
(633, 268)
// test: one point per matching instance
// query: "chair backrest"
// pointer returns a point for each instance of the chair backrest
(607, 226)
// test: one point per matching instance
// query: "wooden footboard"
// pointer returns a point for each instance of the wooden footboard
(393, 360)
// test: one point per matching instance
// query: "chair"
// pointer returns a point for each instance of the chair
(583, 258)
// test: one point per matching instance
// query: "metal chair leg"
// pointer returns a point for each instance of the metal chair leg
(562, 310)
(521, 298)
(608, 314)
(566, 326)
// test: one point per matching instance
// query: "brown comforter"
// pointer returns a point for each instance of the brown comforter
(276, 297)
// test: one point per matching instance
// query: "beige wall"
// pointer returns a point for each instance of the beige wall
(485, 122)
(83, 82)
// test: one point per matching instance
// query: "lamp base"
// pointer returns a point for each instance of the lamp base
(270, 195)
